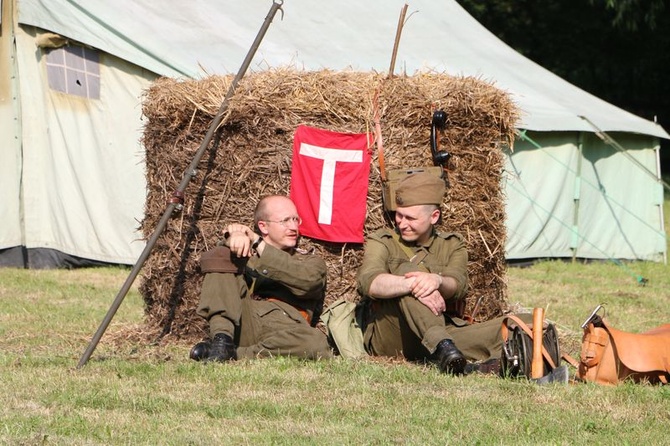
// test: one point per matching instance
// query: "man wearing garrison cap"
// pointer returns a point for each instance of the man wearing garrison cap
(420, 188)
(407, 278)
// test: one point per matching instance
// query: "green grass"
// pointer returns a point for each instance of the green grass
(133, 393)
(146, 394)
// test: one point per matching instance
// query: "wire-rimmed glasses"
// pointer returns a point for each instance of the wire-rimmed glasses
(287, 221)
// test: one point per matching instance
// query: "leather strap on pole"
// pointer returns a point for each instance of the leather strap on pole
(378, 135)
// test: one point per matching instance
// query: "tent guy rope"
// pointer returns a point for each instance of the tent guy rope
(641, 280)
(524, 136)
(607, 139)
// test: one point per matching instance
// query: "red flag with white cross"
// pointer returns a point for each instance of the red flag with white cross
(329, 183)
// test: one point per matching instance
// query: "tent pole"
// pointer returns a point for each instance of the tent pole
(175, 203)
(577, 194)
(660, 204)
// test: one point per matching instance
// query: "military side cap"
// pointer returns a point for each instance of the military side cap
(420, 188)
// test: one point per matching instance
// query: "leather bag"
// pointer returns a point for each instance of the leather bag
(610, 356)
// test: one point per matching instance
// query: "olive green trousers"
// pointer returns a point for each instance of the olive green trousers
(404, 327)
(260, 328)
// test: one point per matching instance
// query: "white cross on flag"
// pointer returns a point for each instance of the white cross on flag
(329, 183)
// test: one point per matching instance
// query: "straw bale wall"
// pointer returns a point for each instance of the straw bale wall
(251, 158)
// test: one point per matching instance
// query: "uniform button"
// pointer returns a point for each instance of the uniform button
(264, 271)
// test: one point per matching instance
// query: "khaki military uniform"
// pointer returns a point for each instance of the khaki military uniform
(269, 305)
(403, 326)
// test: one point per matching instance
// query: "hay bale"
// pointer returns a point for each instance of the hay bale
(253, 159)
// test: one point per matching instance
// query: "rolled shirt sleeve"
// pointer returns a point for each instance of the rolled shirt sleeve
(375, 262)
(303, 275)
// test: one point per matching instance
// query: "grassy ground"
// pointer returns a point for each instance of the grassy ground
(142, 394)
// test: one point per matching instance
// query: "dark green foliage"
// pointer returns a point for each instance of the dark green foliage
(618, 50)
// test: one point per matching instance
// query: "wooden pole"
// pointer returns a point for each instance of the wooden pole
(175, 202)
(537, 365)
(401, 22)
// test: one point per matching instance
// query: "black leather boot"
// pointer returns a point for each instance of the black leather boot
(200, 351)
(222, 348)
(449, 358)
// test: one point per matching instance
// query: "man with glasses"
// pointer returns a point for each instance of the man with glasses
(261, 295)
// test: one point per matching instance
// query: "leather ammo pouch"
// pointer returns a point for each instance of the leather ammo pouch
(221, 260)
(610, 356)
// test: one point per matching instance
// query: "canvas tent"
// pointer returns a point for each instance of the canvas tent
(73, 184)
(70, 162)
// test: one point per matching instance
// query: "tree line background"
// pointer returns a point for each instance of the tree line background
(618, 50)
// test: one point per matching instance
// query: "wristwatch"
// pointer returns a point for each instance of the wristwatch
(255, 244)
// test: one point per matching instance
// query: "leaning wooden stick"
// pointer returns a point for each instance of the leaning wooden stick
(537, 367)
(176, 202)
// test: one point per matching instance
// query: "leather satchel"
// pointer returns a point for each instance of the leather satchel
(610, 356)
